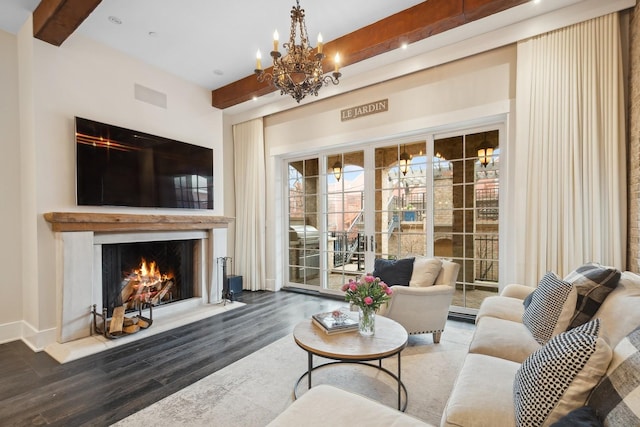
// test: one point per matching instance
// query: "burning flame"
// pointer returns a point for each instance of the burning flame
(149, 275)
(146, 283)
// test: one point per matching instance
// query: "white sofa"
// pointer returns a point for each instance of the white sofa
(483, 394)
(325, 405)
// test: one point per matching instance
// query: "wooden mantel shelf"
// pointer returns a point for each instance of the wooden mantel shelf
(107, 222)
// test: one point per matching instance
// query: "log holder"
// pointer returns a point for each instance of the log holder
(102, 328)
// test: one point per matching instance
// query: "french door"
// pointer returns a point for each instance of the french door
(347, 208)
(436, 196)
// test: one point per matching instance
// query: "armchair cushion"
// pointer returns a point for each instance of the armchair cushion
(393, 272)
(425, 271)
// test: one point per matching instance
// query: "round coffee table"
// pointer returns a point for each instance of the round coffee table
(389, 340)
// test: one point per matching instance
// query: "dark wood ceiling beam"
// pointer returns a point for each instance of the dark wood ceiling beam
(408, 26)
(55, 20)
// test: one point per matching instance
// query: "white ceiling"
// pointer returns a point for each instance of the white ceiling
(213, 42)
(210, 42)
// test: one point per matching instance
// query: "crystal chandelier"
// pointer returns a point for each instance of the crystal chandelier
(299, 72)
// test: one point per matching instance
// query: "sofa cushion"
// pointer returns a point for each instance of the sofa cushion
(425, 271)
(581, 417)
(501, 307)
(393, 271)
(593, 282)
(503, 338)
(617, 397)
(552, 307)
(558, 377)
(482, 394)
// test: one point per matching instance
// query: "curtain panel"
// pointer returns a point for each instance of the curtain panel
(569, 152)
(249, 175)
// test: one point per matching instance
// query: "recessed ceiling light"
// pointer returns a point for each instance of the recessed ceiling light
(404, 46)
(115, 20)
(218, 72)
(152, 34)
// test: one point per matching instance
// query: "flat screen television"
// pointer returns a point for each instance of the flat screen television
(122, 167)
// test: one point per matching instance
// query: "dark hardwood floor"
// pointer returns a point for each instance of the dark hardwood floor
(101, 389)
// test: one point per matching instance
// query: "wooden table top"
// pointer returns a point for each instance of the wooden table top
(389, 339)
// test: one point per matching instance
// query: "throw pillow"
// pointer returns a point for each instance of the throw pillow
(593, 283)
(425, 271)
(551, 309)
(616, 398)
(581, 417)
(393, 272)
(527, 300)
(558, 377)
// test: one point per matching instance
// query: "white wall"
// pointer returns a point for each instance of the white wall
(10, 218)
(86, 79)
(471, 90)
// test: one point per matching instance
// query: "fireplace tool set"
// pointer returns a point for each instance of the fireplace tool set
(227, 293)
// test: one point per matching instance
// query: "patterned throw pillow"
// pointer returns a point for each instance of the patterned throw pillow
(593, 283)
(393, 272)
(617, 398)
(557, 378)
(552, 306)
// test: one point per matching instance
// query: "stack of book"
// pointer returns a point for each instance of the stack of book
(334, 322)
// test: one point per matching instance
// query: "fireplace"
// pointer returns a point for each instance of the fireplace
(137, 274)
(96, 249)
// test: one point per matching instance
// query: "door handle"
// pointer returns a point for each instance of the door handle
(373, 245)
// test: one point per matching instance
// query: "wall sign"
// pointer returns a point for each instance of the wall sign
(364, 110)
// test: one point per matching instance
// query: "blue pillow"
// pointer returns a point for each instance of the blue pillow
(581, 417)
(527, 300)
(393, 272)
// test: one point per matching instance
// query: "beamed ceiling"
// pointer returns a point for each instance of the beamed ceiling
(55, 20)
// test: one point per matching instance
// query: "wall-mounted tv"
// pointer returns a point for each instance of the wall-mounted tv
(121, 167)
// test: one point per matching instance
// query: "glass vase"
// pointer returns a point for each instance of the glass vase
(367, 324)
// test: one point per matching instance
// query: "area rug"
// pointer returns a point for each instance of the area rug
(255, 389)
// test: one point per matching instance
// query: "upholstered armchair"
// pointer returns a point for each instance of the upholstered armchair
(421, 307)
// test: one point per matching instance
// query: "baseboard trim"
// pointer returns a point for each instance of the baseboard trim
(22, 330)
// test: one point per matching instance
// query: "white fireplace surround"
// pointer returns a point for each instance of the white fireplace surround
(79, 240)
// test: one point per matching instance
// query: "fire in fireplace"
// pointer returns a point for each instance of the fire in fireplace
(135, 275)
(146, 285)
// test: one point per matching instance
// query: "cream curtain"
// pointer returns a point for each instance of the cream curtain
(249, 174)
(569, 152)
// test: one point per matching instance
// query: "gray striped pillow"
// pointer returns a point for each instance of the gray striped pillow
(593, 283)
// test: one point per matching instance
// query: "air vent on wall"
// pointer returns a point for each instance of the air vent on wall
(150, 96)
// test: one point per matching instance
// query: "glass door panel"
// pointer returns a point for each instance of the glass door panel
(304, 222)
(465, 211)
(401, 195)
(345, 218)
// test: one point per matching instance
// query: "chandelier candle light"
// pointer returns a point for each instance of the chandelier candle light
(299, 72)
